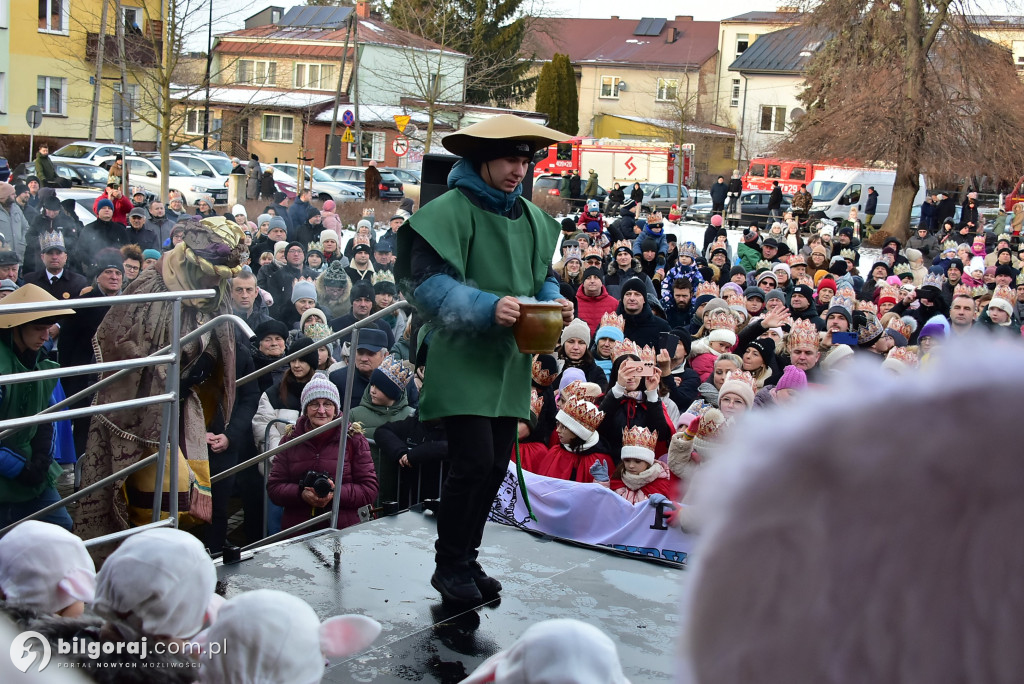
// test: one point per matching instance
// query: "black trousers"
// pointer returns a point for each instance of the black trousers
(479, 449)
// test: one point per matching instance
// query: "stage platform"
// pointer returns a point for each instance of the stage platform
(384, 569)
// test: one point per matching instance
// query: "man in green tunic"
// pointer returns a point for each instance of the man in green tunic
(464, 259)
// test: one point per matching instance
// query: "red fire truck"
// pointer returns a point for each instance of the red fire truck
(622, 161)
(791, 174)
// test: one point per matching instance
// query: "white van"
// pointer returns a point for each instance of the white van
(836, 189)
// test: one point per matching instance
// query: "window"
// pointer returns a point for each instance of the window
(4, 12)
(667, 88)
(314, 76)
(277, 128)
(373, 144)
(3, 93)
(774, 171)
(610, 86)
(735, 100)
(132, 19)
(256, 72)
(53, 16)
(194, 120)
(434, 86)
(51, 95)
(742, 43)
(798, 173)
(132, 100)
(756, 170)
(563, 152)
(773, 119)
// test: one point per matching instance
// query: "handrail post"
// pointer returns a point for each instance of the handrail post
(161, 458)
(343, 442)
(174, 380)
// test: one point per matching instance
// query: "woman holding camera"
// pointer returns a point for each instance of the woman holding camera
(302, 479)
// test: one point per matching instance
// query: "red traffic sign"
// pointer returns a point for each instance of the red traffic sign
(400, 145)
(348, 118)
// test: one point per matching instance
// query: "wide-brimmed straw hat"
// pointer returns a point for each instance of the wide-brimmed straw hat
(29, 294)
(481, 139)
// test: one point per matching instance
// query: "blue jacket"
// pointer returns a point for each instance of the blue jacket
(658, 237)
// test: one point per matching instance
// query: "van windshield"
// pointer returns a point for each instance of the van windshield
(825, 191)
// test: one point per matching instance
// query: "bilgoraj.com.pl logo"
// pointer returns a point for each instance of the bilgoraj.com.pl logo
(28, 647)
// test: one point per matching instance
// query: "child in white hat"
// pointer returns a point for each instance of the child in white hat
(47, 569)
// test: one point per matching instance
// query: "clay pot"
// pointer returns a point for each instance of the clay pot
(538, 327)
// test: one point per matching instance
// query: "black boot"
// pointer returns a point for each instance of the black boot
(456, 585)
(488, 586)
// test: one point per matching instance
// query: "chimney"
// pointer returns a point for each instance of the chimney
(679, 18)
(614, 18)
(363, 9)
(672, 35)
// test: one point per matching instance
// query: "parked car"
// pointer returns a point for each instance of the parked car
(661, 197)
(549, 184)
(5, 169)
(324, 187)
(79, 175)
(390, 186)
(211, 166)
(89, 152)
(84, 200)
(410, 181)
(753, 208)
(146, 173)
(192, 149)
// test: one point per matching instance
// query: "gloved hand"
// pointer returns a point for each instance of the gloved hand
(36, 469)
(599, 471)
(655, 499)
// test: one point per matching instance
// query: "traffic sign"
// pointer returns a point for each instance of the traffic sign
(402, 120)
(347, 136)
(400, 145)
(34, 116)
(348, 118)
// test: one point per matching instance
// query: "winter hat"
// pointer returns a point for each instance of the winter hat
(737, 270)
(593, 271)
(263, 218)
(937, 326)
(334, 275)
(312, 358)
(792, 378)
(1004, 270)
(638, 442)
(280, 246)
(830, 361)
(279, 197)
(8, 285)
(804, 290)
(6, 191)
(977, 264)
(839, 309)
(364, 223)
(765, 346)
(749, 235)
(583, 419)
(723, 335)
(278, 222)
(277, 637)
(611, 326)
(239, 209)
(741, 384)
(150, 254)
(781, 267)
(754, 292)
(362, 289)
(1002, 305)
(578, 328)
(827, 284)
(319, 387)
(569, 376)
(329, 205)
(158, 582)
(634, 285)
(765, 275)
(391, 377)
(328, 234)
(775, 294)
(303, 290)
(838, 266)
(311, 312)
(45, 568)
(568, 226)
(716, 220)
(648, 245)
(104, 203)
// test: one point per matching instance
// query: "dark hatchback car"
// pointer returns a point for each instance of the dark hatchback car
(548, 185)
(75, 174)
(390, 186)
(5, 169)
(753, 207)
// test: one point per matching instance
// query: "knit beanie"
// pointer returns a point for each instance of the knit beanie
(303, 290)
(846, 313)
(104, 203)
(827, 284)
(765, 346)
(609, 332)
(328, 234)
(329, 205)
(937, 326)
(578, 328)
(737, 270)
(311, 312)
(569, 376)
(150, 254)
(362, 290)
(334, 275)
(271, 327)
(391, 377)
(775, 294)
(312, 358)
(263, 218)
(278, 222)
(739, 388)
(913, 254)
(239, 209)
(280, 246)
(634, 285)
(715, 303)
(723, 335)
(319, 387)
(593, 271)
(792, 378)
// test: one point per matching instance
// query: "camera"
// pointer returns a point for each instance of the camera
(319, 481)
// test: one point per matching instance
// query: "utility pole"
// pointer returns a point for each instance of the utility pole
(97, 88)
(355, 100)
(124, 95)
(209, 61)
(333, 144)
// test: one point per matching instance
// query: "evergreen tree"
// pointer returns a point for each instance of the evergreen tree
(547, 89)
(570, 100)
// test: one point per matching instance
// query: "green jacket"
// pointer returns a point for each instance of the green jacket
(372, 417)
(748, 257)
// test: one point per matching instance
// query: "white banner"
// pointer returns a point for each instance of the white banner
(590, 513)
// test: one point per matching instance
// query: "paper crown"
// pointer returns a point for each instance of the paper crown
(844, 302)
(574, 390)
(904, 355)
(870, 331)
(846, 291)
(889, 291)
(849, 254)
(763, 265)
(949, 245)
(802, 334)
(541, 375)
(795, 260)
(317, 245)
(805, 279)
(1004, 292)
(902, 270)
(613, 320)
(709, 427)
(963, 290)
(867, 307)
(396, 370)
(536, 402)
(584, 413)
(689, 249)
(645, 354)
(639, 437)
(1020, 278)
(733, 299)
(707, 288)
(573, 253)
(360, 240)
(979, 291)
(51, 239)
(317, 331)
(383, 277)
(741, 376)
(720, 319)
(934, 280)
(592, 251)
(623, 244)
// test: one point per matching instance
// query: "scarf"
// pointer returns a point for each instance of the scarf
(632, 489)
(465, 177)
(179, 274)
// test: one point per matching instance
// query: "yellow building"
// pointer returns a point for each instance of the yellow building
(52, 64)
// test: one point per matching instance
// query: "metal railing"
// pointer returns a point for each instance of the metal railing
(169, 355)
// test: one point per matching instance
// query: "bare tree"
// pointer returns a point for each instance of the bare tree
(909, 83)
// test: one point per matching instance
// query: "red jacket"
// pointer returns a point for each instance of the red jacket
(590, 309)
(358, 479)
(565, 465)
(122, 205)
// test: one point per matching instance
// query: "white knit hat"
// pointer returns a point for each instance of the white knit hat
(45, 568)
(319, 387)
(271, 636)
(280, 246)
(582, 418)
(578, 328)
(737, 386)
(329, 235)
(723, 335)
(158, 582)
(1001, 304)
(239, 209)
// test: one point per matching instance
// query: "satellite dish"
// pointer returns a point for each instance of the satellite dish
(622, 85)
(796, 114)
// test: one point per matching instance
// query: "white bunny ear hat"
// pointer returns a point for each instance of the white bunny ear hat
(45, 568)
(874, 560)
(554, 652)
(268, 636)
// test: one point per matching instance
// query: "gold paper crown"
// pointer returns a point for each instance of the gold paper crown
(1020, 278)
(979, 291)
(637, 436)
(613, 320)
(625, 347)
(720, 319)
(805, 279)
(733, 299)
(949, 244)
(689, 249)
(844, 302)
(849, 254)
(536, 402)
(1004, 292)
(904, 355)
(763, 265)
(360, 240)
(709, 423)
(742, 376)
(934, 280)
(396, 371)
(963, 290)
(868, 307)
(706, 288)
(901, 270)
(584, 413)
(591, 252)
(900, 326)
(574, 390)
(383, 277)
(795, 260)
(317, 331)
(541, 376)
(623, 244)
(846, 291)
(890, 291)
(573, 253)
(802, 334)
(317, 245)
